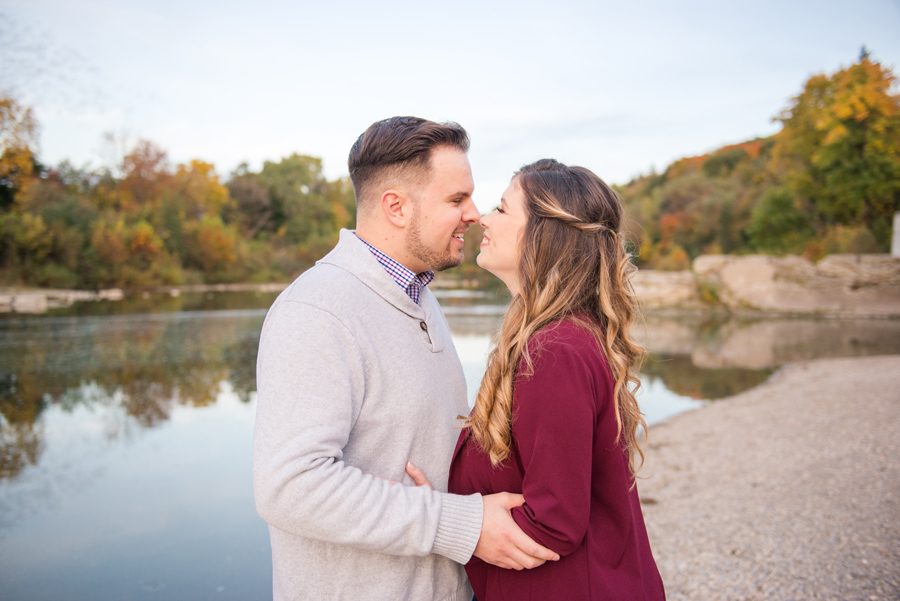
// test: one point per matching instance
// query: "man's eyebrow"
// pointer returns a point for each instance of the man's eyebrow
(462, 194)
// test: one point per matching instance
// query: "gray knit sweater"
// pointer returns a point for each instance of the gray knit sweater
(353, 380)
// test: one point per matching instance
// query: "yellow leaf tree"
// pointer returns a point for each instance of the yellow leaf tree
(18, 138)
(839, 150)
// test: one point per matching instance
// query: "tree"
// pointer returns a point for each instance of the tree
(146, 174)
(201, 192)
(778, 225)
(18, 138)
(211, 245)
(253, 204)
(839, 149)
(308, 210)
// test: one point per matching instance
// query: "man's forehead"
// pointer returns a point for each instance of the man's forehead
(446, 157)
(451, 169)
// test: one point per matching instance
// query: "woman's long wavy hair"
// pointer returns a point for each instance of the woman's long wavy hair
(573, 265)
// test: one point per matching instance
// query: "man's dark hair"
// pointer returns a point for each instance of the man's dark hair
(399, 146)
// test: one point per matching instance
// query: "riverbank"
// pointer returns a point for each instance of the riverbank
(788, 491)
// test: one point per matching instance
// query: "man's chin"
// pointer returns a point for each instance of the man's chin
(450, 262)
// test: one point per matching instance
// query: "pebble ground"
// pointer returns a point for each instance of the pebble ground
(790, 491)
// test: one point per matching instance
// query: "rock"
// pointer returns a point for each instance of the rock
(838, 286)
(111, 294)
(31, 302)
(667, 289)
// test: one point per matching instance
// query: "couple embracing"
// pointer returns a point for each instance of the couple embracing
(376, 480)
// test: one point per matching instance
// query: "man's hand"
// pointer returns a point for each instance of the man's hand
(418, 475)
(502, 542)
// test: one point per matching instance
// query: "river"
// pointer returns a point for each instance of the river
(126, 431)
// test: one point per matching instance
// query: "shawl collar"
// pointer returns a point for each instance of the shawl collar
(352, 255)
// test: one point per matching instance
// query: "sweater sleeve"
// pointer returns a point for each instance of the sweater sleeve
(311, 382)
(555, 415)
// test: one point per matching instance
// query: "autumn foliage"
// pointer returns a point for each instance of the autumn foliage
(144, 222)
(828, 182)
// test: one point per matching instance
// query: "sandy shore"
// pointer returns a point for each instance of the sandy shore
(788, 491)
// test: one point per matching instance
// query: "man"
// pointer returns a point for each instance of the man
(357, 374)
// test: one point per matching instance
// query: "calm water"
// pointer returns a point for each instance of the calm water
(126, 430)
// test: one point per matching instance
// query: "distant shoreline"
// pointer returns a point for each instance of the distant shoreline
(28, 299)
(39, 300)
(763, 286)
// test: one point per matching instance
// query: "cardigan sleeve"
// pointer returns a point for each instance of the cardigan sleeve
(309, 396)
(555, 413)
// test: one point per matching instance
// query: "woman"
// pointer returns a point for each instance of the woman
(555, 417)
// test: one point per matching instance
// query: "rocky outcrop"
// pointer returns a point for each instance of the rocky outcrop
(837, 286)
(667, 289)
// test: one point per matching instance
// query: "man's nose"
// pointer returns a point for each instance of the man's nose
(470, 212)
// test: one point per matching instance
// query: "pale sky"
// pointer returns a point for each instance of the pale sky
(617, 87)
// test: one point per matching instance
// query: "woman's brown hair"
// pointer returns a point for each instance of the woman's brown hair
(573, 265)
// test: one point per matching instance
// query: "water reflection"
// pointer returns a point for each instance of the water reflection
(142, 366)
(125, 438)
(714, 344)
(682, 376)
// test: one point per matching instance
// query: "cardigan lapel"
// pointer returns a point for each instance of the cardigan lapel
(353, 255)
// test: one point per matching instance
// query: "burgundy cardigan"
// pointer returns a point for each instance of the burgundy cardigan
(579, 499)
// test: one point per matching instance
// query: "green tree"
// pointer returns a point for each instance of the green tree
(299, 196)
(253, 209)
(778, 225)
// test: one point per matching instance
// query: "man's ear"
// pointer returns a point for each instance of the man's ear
(397, 207)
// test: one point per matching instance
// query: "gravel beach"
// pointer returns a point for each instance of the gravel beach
(788, 491)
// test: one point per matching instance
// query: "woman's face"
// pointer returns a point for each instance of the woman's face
(502, 230)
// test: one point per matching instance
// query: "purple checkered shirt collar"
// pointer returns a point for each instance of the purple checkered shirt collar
(411, 283)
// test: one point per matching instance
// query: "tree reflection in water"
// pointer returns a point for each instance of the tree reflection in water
(179, 351)
(682, 376)
(142, 365)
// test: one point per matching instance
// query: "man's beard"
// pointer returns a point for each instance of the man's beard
(437, 261)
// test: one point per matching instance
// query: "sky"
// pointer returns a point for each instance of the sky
(621, 88)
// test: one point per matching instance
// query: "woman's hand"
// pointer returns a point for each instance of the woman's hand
(417, 475)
